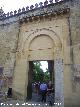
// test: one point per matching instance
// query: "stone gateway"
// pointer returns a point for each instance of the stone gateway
(47, 31)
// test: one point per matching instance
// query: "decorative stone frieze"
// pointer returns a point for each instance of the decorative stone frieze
(21, 36)
(11, 13)
(19, 11)
(15, 12)
(41, 4)
(1, 13)
(36, 5)
(8, 14)
(31, 7)
(46, 3)
(45, 15)
(27, 9)
(23, 9)
(51, 1)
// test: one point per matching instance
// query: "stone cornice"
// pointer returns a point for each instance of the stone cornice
(44, 11)
(45, 15)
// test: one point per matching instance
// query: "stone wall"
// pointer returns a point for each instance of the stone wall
(73, 70)
(12, 36)
(33, 38)
(8, 46)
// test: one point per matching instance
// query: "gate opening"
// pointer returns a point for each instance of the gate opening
(37, 75)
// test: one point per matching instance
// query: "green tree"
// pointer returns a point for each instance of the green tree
(38, 74)
(46, 75)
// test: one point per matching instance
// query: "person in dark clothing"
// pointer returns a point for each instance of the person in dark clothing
(50, 97)
(49, 88)
(43, 90)
(37, 88)
(9, 94)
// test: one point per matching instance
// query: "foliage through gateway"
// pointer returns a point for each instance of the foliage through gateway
(38, 74)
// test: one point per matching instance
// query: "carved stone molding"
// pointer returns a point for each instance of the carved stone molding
(23, 11)
(45, 15)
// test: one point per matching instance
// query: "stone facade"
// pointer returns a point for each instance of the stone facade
(49, 32)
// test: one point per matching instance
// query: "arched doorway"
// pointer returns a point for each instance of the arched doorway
(41, 48)
(42, 44)
(34, 81)
(33, 91)
(48, 47)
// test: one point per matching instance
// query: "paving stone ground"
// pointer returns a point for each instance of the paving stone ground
(34, 102)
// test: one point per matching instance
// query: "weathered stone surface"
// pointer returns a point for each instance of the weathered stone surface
(19, 35)
(8, 45)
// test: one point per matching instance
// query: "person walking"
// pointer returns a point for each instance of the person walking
(43, 90)
(50, 96)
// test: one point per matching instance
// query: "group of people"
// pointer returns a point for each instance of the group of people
(46, 91)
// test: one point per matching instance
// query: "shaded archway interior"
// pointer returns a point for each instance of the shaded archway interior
(30, 77)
